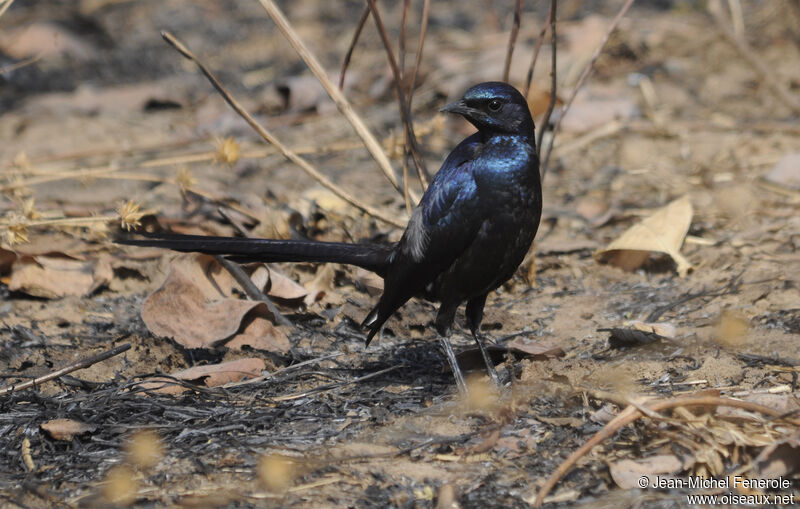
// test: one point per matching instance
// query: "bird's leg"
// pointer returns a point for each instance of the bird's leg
(451, 359)
(444, 321)
(474, 314)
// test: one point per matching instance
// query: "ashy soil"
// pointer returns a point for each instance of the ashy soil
(98, 111)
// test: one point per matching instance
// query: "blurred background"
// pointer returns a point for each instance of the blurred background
(688, 124)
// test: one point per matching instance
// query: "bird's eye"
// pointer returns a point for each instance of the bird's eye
(494, 105)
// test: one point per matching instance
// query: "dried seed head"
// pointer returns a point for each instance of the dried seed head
(185, 179)
(16, 231)
(482, 394)
(731, 329)
(120, 486)
(145, 449)
(22, 162)
(29, 210)
(227, 151)
(129, 215)
(277, 472)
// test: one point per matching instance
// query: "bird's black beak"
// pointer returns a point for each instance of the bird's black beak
(459, 107)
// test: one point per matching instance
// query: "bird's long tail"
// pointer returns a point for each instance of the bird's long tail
(374, 258)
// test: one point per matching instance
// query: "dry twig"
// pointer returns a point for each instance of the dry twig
(4, 7)
(581, 79)
(512, 39)
(405, 113)
(552, 104)
(335, 94)
(270, 138)
(426, 8)
(75, 366)
(715, 8)
(251, 289)
(347, 56)
(539, 42)
(632, 413)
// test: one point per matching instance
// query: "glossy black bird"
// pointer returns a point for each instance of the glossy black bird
(469, 233)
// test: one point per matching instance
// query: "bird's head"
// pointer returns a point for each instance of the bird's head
(494, 107)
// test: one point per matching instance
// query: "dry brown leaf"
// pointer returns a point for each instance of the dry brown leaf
(629, 473)
(661, 232)
(321, 285)
(66, 429)
(211, 375)
(328, 201)
(44, 40)
(55, 244)
(193, 307)
(786, 172)
(604, 414)
(535, 347)
(283, 287)
(260, 334)
(7, 259)
(572, 422)
(277, 472)
(369, 281)
(780, 459)
(784, 403)
(56, 277)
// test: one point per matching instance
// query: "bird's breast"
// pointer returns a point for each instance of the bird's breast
(508, 170)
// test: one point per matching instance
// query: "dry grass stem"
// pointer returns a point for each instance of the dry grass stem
(338, 97)
(535, 57)
(581, 79)
(766, 74)
(4, 7)
(251, 289)
(552, 103)
(426, 9)
(80, 364)
(512, 39)
(347, 56)
(270, 138)
(632, 413)
(405, 113)
(20, 65)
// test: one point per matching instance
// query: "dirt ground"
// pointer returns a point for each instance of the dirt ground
(98, 111)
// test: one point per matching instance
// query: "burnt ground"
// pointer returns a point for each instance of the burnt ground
(109, 113)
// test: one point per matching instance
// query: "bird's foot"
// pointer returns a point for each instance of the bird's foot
(486, 358)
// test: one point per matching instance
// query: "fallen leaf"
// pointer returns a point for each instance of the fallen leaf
(284, 287)
(211, 375)
(277, 472)
(193, 306)
(783, 403)
(321, 285)
(521, 348)
(45, 40)
(368, 281)
(592, 111)
(604, 414)
(628, 473)
(66, 429)
(572, 422)
(786, 172)
(636, 333)
(780, 459)
(56, 277)
(661, 232)
(7, 259)
(303, 93)
(260, 334)
(536, 348)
